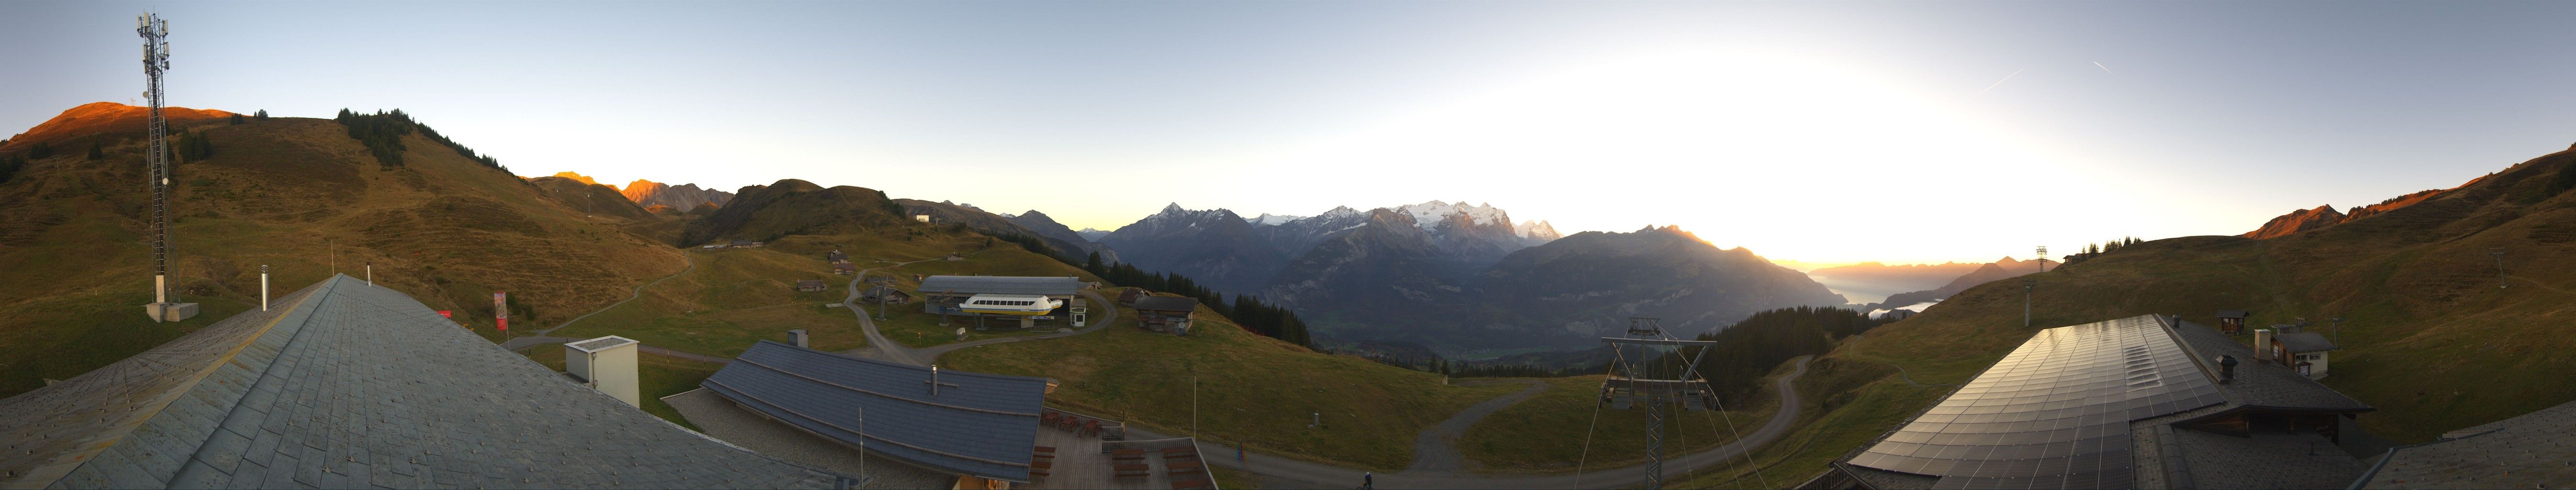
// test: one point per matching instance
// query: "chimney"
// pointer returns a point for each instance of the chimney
(2262, 344)
(606, 364)
(2226, 369)
(796, 337)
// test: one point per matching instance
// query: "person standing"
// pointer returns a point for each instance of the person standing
(1368, 480)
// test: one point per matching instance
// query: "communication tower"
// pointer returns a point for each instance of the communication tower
(156, 59)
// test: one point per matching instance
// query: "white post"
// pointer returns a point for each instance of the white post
(263, 287)
(371, 273)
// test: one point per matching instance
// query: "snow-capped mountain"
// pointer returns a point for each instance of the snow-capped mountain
(1215, 247)
(1430, 214)
(1475, 234)
(1537, 232)
(1274, 219)
(1294, 237)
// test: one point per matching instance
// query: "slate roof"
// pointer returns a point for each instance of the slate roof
(346, 385)
(2262, 384)
(1166, 303)
(966, 285)
(2232, 313)
(984, 425)
(2149, 450)
(2304, 342)
(2052, 414)
(2535, 450)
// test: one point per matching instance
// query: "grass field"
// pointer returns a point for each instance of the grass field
(1249, 388)
(732, 299)
(660, 376)
(1560, 428)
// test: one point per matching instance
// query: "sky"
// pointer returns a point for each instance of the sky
(1811, 133)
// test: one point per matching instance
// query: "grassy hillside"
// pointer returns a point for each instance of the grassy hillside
(2425, 318)
(299, 195)
(730, 300)
(1548, 432)
(1251, 389)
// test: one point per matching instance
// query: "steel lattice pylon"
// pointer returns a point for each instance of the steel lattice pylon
(156, 58)
(1631, 373)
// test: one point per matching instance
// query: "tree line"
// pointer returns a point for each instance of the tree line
(382, 132)
(1750, 349)
(1249, 311)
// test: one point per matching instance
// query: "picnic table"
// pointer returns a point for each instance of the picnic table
(1127, 454)
(1132, 470)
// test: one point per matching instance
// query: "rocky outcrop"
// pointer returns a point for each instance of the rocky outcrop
(2298, 221)
(683, 197)
(1535, 233)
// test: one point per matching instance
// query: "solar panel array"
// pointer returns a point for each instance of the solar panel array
(2053, 414)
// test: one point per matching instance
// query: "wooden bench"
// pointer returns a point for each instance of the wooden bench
(1180, 452)
(1137, 455)
(1132, 470)
(1041, 467)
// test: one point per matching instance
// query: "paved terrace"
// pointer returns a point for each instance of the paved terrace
(346, 385)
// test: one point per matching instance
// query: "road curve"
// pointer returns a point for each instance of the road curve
(1328, 476)
(1436, 451)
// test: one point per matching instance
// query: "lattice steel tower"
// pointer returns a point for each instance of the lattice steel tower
(156, 58)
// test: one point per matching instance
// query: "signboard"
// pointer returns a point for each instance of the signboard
(1044, 317)
(446, 314)
(501, 310)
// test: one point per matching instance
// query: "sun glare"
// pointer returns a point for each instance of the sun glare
(1784, 154)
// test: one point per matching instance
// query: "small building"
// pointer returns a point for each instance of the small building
(1167, 314)
(812, 285)
(712, 245)
(2304, 352)
(2232, 322)
(1130, 295)
(882, 294)
(836, 257)
(844, 268)
(745, 244)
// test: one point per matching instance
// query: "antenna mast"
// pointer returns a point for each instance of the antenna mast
(156, 59)
(1631, 383)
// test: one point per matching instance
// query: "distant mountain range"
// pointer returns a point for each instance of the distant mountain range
(2006, 268)
(681, 198)
(1456, 276)
(646, 194)
(1871, 281)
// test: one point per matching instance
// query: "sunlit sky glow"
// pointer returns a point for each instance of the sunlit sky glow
(1814, 132)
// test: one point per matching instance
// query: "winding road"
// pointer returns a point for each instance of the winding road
(885, 349)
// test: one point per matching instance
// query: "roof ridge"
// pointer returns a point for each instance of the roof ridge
(160, 402)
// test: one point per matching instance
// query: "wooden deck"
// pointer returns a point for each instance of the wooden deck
(1083, 461)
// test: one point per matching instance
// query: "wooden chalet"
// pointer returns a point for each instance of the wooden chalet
(1167, 314)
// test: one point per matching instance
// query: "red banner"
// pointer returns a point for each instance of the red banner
(501, 310)
(446, 314)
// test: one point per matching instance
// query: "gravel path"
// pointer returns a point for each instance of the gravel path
(1436, 451)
